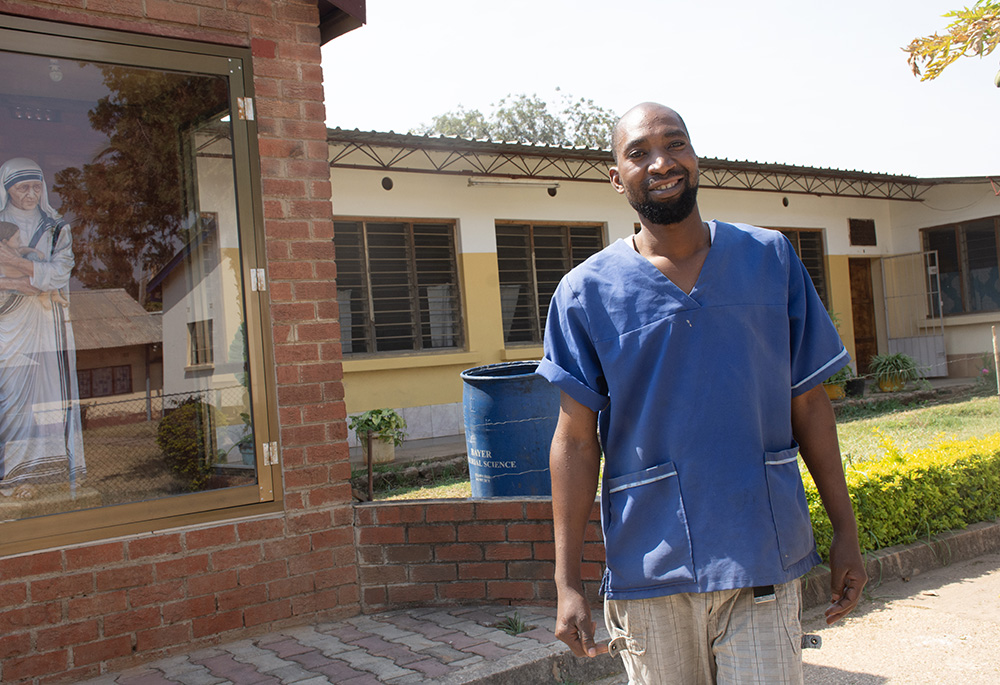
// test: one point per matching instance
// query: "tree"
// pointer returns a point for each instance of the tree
(528, 119)
(130, 205)
(462, 123)
(974, 31)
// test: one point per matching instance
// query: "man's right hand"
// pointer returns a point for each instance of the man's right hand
(574, 463)
(575, 627)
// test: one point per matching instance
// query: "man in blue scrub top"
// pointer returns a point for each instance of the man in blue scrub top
(696, 351)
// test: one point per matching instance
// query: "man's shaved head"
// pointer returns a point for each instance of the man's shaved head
(638, 112)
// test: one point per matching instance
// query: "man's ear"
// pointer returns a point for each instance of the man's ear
(616, 180)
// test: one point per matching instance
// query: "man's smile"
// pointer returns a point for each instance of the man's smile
(665, 187)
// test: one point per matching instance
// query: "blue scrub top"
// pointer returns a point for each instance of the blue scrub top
(701, 486)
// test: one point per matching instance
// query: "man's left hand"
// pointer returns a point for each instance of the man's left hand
(847, 577)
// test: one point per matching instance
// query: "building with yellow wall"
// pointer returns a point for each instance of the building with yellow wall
(447, 251)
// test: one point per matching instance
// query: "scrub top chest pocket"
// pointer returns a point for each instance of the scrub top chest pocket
(652, 543)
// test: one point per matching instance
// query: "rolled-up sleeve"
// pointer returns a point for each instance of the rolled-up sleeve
(571, 362)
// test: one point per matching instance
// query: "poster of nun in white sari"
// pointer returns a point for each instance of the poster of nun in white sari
(40, 431)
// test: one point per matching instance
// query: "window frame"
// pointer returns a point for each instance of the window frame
(87, 376)
(537, 323)
(862, 232)
(958, 229)
(201, 350)
(70, 42)
(413, 286)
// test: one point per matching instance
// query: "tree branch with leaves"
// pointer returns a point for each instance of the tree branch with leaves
(975, 31)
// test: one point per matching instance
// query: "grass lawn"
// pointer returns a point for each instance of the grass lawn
(915, 426)
(450, 488)
(861, 431)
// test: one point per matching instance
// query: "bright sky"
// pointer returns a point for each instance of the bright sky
(821, 84)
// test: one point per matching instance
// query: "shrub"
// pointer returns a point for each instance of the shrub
(384, 424)
(986, 381)
(185, 436)
(903, 497)
(893, 370)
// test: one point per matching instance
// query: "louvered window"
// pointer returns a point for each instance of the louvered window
(397, 286)
(808, 246)
(532, 258)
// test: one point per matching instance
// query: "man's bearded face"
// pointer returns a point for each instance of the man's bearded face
(664, 212)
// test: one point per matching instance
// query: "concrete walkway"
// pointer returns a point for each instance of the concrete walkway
(942, 626)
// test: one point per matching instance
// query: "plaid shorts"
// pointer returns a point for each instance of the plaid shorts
(705, 638)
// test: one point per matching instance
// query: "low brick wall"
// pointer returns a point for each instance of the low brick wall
(68, 614)
(448, 551)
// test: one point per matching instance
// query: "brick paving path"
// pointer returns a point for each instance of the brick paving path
(421, 645)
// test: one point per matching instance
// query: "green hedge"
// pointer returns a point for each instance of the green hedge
(185, 436)
(905, 496)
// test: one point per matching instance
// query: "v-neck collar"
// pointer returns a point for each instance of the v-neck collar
(678, 292)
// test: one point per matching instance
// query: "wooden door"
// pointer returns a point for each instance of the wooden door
(863, 313)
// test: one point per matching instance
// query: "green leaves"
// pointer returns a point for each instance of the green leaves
(384, 424)
(898, 364)
(909, 495)
(185, 434)
(975, 31)
(529, 119)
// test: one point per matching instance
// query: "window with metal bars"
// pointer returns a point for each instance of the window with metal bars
(808, 245)
(397, 286)
(200, 343)
(107, 380)
(861, 232)
(968, 261)
(532, 258)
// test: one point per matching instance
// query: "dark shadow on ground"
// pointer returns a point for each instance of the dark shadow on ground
(824, 675)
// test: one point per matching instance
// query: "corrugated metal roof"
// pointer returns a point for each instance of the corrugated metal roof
(459, 145)
(112, 318)
(456, 143)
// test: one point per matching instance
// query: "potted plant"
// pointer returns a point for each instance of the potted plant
(386, 428)
(892, 371)
(855, 386)
(835, 384)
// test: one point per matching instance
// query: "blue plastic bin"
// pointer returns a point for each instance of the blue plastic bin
(510, 415)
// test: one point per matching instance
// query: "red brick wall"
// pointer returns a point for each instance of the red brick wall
(443, 552)
(69, 613)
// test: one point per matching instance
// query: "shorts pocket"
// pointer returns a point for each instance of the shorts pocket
(789, 508)
(650, 544)
(625, 621)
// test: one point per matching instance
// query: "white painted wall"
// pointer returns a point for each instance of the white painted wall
(941, 205)
(414, 195)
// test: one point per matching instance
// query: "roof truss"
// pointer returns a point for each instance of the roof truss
(421, 154)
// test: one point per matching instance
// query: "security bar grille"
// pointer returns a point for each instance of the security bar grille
(532, 258)
(397, 286)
